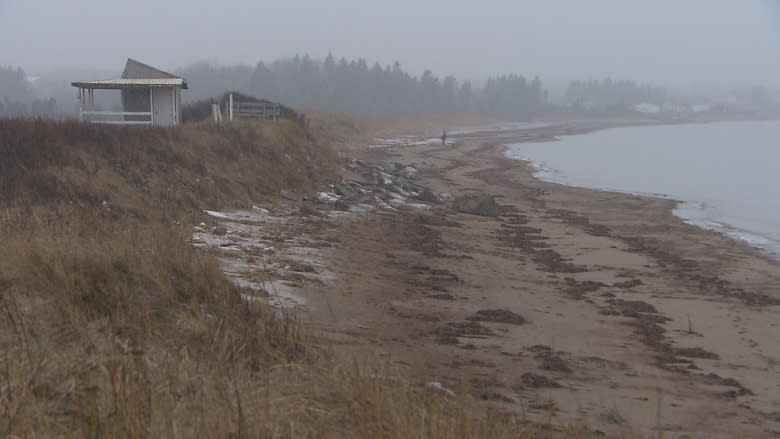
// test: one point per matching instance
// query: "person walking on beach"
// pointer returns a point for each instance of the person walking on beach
(444, 137)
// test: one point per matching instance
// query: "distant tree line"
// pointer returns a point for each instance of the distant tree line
(17, 97)
(354, 87)
(613, 94)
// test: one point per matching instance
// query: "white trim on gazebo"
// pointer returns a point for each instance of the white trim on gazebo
(136, 77)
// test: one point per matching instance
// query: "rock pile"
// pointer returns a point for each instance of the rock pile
(390, 186)
(387, 186)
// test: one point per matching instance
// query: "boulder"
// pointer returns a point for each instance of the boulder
(307, 210)
(446, 198)
(290, 195)
(428, 196)
(408, 172)
(476, 204)
(342, 190)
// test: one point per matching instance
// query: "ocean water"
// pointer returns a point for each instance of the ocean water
(726, 175)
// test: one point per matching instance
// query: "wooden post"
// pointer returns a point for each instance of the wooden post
(231, 106)
(173, 106)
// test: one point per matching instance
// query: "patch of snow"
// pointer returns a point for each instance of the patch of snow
(439, 387)
(328, 197)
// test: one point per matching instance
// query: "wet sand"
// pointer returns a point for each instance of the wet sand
(571, 307)
(634, 322)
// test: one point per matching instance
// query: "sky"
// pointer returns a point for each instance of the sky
(672, 42)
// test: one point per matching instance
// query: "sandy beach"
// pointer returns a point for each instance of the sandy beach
(570, 307)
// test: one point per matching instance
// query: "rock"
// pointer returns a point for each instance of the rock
(446, 198)
(341, 205)
(342, 190)
(428, 196)
(354, 165)
(307, 210)
(386, 179)
(476, 204)
(219, 231)
(408, 172)
(366, 198)
(292, 196)
(358, 186)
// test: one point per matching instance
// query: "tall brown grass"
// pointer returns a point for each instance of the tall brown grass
(113, 325)
(156, 172)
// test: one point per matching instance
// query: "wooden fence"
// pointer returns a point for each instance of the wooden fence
(262, 110)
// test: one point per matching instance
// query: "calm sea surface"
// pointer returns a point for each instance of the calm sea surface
(726, 174)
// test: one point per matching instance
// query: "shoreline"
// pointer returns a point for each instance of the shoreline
(582, 246)
(763, 245)
(725, 229)
(568, 307)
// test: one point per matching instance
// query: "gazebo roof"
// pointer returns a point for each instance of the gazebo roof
(131, 83)
(136, 75)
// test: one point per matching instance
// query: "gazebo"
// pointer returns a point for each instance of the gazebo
(149, 97)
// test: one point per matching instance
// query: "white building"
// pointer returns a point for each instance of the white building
(149, 97)
(647, 108)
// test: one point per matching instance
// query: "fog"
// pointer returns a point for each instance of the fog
(673, 42)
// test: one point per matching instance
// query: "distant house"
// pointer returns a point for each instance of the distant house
(149, 97)
(647, 108)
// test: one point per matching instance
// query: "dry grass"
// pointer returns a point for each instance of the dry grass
(156, 172)
(110, 328)
(113, 325)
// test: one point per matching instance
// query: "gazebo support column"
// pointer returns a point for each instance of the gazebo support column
(81, 103)
(151, 104)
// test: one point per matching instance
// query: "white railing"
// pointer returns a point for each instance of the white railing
(117, 117)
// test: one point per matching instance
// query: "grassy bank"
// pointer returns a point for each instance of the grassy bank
(113, 325)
